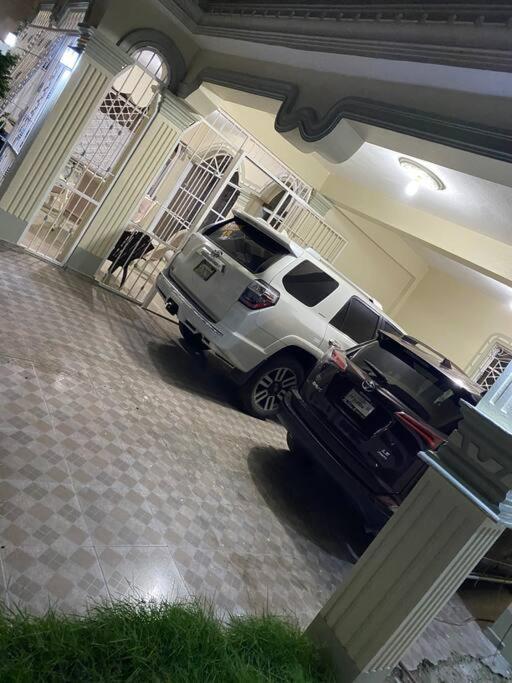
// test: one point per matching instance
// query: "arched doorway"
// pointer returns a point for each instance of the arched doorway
(97, 157)
(193, 193)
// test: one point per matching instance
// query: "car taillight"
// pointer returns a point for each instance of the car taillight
(259, 295)
(432, 440)
(338, 358)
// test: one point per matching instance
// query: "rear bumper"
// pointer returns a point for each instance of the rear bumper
(234, 349)
(293, 416)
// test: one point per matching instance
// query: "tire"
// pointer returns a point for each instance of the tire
(193, 340)
(275, 377)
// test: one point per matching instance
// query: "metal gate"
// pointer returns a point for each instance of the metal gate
(97, 158)
(215, 168)
(36, 80)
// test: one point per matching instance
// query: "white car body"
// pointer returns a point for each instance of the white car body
(203, 285)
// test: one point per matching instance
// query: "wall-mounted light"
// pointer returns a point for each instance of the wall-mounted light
(420, 177)
(70, 58)
(10, 39)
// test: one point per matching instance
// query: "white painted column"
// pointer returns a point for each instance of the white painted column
(26, 187)
(451, 518)
(155, 146)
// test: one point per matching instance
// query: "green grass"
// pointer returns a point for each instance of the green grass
(155, 642)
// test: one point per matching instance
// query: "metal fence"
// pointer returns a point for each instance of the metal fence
(215, 168)
(36, 79)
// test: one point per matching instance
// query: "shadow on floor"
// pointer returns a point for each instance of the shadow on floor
(197, 372)
(302, 496)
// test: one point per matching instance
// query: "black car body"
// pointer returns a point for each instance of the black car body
(364, 414)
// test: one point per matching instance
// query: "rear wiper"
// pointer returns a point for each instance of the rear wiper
(375, 370)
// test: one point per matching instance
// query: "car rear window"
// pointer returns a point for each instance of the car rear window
(428, 393)
(309, 284)
(386, 326)
(356, 320)
(247, 245)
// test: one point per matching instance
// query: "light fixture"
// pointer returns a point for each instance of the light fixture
(411, 188)
(420, 177)
(10, 39)
(70, 58)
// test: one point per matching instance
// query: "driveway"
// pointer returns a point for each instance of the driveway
(127, 469)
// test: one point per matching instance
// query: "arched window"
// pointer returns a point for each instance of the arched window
(153, 63)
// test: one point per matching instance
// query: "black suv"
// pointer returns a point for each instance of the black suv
(364, 414)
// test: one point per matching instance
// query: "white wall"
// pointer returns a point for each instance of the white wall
(454, 317)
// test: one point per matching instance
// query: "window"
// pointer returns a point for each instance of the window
(356, 320)
(309, 284)
(249, 246)
(386, 326)
(425, 391)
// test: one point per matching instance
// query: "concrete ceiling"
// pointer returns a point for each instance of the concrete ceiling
(471, 277)
(478, 204)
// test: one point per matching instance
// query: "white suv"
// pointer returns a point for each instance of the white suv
(265, 306)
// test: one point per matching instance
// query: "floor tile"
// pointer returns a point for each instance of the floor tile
(63, 576)
(117, 443)
(40, 512)
(25, 455)
(142, 572)
(118, 514)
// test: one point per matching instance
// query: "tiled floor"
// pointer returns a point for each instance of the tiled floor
(127, 468)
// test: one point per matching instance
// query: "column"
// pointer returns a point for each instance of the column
(446, 525)
(26, 187)
(155, 146)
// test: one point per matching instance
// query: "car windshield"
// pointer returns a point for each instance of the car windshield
(247, 245)
(425, 391)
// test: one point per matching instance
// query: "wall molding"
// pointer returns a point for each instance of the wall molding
(420, 32)
(102, 51)
(164, 45)
(313, 126)
(176, 111)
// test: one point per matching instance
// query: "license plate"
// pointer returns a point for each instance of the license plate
(204, 269)
(358, 403)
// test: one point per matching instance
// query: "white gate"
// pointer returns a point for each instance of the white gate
(97, 158)
(36, 79)
(215, 168)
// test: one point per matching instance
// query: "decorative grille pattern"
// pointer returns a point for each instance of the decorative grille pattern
(94, 163)
(496, 362)
(215, 168)
(34, 79)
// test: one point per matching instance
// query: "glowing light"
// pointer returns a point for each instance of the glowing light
(69, 58)
(10, 39)
(411, 188)
(420, 176)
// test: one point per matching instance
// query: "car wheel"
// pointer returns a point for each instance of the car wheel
(193, 340)
(264, 391)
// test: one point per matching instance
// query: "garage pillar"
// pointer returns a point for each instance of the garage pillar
(445, 526)
(154, 148)
(28, 183)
